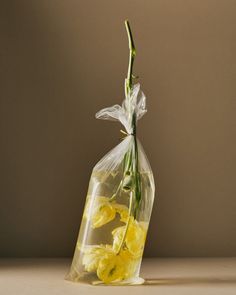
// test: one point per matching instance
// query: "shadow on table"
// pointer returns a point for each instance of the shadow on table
(188, 281)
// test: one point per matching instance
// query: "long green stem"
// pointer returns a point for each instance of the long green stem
(128, 88)
(131, 157)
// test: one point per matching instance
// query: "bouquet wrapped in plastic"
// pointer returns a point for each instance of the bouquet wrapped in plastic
(119, 201)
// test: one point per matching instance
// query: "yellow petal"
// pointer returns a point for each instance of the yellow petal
(134, 239)
(102, 213)
(111, 268)
(131, 263)
(118, 234)
(92, 255)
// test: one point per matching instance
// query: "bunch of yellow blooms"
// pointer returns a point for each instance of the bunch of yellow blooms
(119, 261)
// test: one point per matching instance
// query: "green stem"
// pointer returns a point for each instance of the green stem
(132, 53)
(128, 88)
(127, 224)
(131, 157)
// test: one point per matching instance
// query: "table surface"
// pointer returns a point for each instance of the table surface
(163, 276)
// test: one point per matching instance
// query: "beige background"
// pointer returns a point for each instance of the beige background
(61, 61)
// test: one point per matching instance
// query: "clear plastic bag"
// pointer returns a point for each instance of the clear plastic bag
(118, 205)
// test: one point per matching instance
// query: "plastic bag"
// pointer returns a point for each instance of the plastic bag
(118, 205)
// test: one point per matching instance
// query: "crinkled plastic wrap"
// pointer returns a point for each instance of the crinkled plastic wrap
(118, 206)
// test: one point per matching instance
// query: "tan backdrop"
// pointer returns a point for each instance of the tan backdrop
(61, 61)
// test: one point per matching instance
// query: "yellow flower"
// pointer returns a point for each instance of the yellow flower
(134, 239)
(102, 212)
(111, 268)
(114, 267)
(92, 255)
